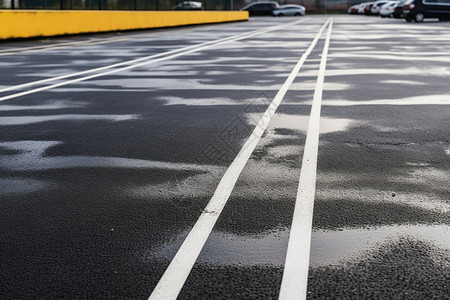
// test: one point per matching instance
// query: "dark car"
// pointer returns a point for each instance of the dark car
(398, 10)
(418, 10)
(368, 9)
(263, 8)
(188, 5)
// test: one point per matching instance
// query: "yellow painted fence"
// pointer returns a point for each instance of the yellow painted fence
(34, 23)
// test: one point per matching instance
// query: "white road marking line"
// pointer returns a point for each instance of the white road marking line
(166, 56)
(13, 51)
(178, 270)
(295, 275)
(94, 41)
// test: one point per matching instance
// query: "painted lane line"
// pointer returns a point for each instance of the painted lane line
(178, 270)
(295, 275)
(195, 49)
(93, 41)
(169, 54)
(20, 86)
(13, 51)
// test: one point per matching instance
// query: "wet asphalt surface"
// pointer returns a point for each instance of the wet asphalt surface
(101, 180)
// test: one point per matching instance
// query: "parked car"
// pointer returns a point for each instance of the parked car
(418, 10)
(387, 10)
(261, 8)
(188, 5)
(289, 10)
(375, 10)
(364, 8)
(353, 9)
(398, 10)
(361, 8)
(368, 8)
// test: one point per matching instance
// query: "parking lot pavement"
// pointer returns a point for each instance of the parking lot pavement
(112, 146)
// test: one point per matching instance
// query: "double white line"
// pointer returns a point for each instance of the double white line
(294, 279)
(15, 51)
(131, 64)
(297, 261)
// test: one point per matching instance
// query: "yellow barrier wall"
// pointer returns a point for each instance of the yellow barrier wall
(33, 23)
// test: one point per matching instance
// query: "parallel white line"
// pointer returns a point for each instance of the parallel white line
(178, 270)
(147, 60)
(295, 275)
(14, 51)
(94, 41)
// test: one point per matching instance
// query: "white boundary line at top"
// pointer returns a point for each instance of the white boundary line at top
(178, 270)
(135, 63)
(295, 275)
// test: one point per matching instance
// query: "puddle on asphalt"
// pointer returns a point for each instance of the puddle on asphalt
(334, 247)
(432, 71)
(229, 249)
(404, 82)
(93, 89)
(31, 157)
(429, 175)
(382, 55)
(20, 185)
(212, 101)
(327, 247)
(50, 105)
(419, 100)
(310, 85)
(447, 149)
(418, 174)
(25, 120)
(284, 151)
(176, 84)
(300, 123)
(274, 176)
(195, 186)
(199, 102)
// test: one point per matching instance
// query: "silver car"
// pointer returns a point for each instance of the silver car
(289, 10)
(376, 7)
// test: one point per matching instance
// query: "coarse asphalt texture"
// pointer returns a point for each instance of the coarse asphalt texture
(101, 180)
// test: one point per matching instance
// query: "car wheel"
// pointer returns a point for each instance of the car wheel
(391, 16)
(297, 14)
(280, 15)
(408, 19)
(418, 17)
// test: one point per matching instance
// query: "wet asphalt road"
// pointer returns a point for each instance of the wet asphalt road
(101, 180)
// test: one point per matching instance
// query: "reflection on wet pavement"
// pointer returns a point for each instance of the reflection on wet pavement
(20, 185)
(403, 268)
(25, 120)
(300, 123)
(124, 189)
(32, 157)
(419, 100)
(335, 247)
(327, 247)
(57, 104)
